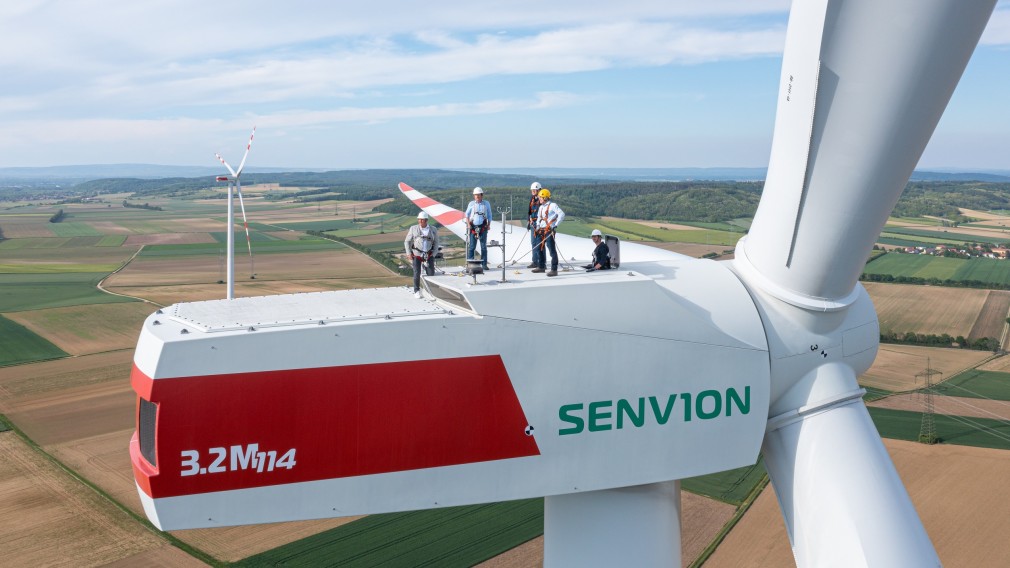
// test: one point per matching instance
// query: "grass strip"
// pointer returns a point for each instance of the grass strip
(188, 549)
(905, 425)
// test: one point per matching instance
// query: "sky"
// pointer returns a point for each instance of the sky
(446, 84)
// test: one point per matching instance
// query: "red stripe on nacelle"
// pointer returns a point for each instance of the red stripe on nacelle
(342, 422)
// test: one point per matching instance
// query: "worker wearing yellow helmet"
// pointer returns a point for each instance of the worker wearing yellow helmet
(531, 223)
(549, 216)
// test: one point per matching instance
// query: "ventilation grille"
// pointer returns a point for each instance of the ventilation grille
(148, 418)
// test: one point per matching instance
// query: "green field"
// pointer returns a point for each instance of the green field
(20, 345)
(54, 268)
(898, 239)
(947, 236)
(904, 425)
(264, 247)
(731, 486)
(34, 243)
(977, 384)
(4, 426)
(987, 270)
(74, 230)
(331, 225)
(873, 393)
(222, 237)
(704, 236)
(111, 241)
(454, 536)
(21, 292)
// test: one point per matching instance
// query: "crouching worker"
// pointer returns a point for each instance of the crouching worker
(601, 254)
(421, 245)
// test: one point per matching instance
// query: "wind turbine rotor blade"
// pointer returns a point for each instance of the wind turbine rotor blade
(863, 86)
(227, 165)
(245, 222)
(841, 498)
(246, 155)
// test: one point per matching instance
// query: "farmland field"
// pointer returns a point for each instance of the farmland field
(21, 345)
(19, 292)
(978, 384)
(952, 487)
(954, 430)
(47, 518)
(955, 405)
(992, 319)
(80, 330)
(460, 535)
(896, 365)
(72, 229)
(957, 269)
(900, 308)
(686, 235)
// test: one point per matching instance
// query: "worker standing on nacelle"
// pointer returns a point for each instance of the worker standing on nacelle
(478, 221)
(549, 216)
(531, 223)
(421, 244)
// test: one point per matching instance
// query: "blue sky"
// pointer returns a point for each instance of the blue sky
(395, 84)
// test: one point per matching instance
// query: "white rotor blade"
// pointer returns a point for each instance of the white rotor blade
(865, 82)
(246, 155)
(226, 164)
(245, 222)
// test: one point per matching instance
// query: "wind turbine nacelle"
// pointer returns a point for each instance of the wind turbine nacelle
(366, 401)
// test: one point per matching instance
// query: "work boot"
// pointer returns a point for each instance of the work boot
(537, 269)
(531, 265)
(553, 272)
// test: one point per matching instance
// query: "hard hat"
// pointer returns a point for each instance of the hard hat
(478, 191)
(545, 193)
(596, 233)
(422, 215)
(535, 186)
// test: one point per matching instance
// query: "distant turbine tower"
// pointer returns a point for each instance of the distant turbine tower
(235, 182)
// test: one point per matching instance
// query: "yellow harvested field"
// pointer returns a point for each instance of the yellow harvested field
(1000, 364)
(169, 239)
(206, 269)
(80, 330)
(47, 518)
(701, 519)
(984, 215)
(896, 365)
(960, 492)
(926, 309)
(25, 382)
(950, 405)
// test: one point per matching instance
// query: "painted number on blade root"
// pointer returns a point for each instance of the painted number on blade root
(236, 458)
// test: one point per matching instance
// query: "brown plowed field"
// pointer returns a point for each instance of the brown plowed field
(960, 492)
(701, 520)
(169, 239)
(47, 518)
(926, 309)
(991, 321)
(693, 250)
(80, 330)
(896, 365)
(952, 405)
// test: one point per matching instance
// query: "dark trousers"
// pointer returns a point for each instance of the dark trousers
(535, 243)
(472, 245)
(429, 269)
(549, 246)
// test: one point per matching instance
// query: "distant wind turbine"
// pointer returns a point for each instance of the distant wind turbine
(234, 181)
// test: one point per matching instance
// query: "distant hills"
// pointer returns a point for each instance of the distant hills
(70, 175)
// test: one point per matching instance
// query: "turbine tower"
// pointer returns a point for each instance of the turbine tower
(335, 404)
(234, 182)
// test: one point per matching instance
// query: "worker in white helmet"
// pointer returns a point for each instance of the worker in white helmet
(549, 216)
(478, 221)
(531, 223)
(421, 244)
(601, 254)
